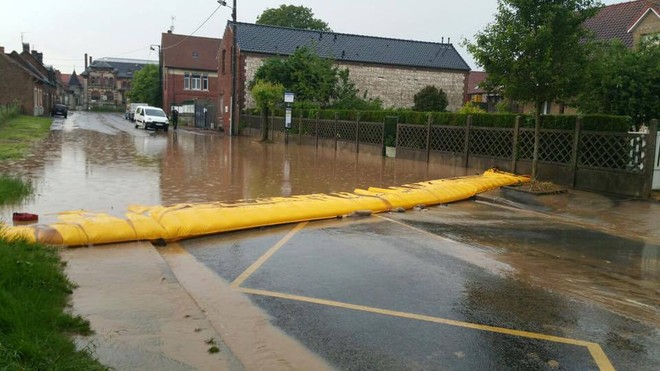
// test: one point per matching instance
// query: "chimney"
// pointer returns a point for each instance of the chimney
(169, 31)
(90, 59)
(85, 61)
(26, 47)
(38, 56)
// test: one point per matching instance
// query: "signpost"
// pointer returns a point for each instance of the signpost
(288, 100)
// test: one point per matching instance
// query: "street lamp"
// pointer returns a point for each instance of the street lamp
(233, 128)
(160, 72)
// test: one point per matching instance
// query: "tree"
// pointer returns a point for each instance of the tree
(316, 81)
(622, 81)
(536, 51)
(292, 16)
(145, 86)
(267, 95)
(310, 77)
(430, 99)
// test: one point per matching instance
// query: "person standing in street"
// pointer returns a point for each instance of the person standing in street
(175, 118)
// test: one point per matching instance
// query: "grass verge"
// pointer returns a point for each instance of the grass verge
(34, 327)
(20, 133)
(13, 190)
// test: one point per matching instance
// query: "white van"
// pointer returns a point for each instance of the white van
(130, 110)
(151, 117)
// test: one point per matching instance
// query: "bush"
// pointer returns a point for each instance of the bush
(430, 99)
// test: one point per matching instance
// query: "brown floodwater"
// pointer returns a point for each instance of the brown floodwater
(99, 162)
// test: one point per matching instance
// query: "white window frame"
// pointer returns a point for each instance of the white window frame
(186, 81)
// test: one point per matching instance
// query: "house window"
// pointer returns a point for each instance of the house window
(224, 58)
(195, 55)
(196, 82)
(95, 95)
(109, 96)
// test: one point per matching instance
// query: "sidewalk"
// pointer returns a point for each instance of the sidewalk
(615, 214)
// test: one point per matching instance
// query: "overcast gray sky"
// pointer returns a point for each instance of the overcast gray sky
(65, 30)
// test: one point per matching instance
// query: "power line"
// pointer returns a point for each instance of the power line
(197, 29)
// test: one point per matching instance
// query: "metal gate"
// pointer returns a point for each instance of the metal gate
(205, 113)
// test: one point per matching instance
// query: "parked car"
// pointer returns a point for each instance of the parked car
(151, 117)
(130, 110)
(60, 109)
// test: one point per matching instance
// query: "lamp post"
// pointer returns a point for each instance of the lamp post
(233, 127)
(160, 73)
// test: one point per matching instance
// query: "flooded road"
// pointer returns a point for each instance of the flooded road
(99, 162)
(566, 285)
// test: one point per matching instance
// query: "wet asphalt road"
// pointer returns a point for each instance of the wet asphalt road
(421, 268)
(464, 286)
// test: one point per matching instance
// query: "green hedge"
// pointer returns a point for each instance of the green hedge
(496, 120)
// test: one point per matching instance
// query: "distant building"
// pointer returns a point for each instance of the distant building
(74, 90)
(628, 22)
(190, 69)
(393, 70)
(108, 80)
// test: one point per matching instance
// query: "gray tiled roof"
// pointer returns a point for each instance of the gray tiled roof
(353, 48)
(125, 67)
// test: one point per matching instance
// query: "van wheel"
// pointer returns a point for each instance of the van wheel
(136, 125)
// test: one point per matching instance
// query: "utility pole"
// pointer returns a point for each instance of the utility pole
(233, 125)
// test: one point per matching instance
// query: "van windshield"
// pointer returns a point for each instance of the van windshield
(154, 112)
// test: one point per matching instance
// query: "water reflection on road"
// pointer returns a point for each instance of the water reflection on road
(100, 162)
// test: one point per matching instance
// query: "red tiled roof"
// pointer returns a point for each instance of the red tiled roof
(474, 79)
(613, 22)
(195, 53)
(64, 78)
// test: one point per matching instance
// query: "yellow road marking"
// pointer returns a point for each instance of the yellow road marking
(256, 265)
(595, 349)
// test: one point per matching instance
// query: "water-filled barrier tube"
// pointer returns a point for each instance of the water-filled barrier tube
(171, 223)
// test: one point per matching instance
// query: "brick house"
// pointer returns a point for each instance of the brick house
(390, 69)
(108, 80)
(190, 69)
(627, 22)
(27, 82)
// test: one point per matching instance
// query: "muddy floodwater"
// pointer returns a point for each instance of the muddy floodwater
(507, 282)
(99, 162)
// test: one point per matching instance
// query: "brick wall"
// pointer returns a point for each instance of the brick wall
(16, 85)
(175, 93)
(395, 86)
(648, 26)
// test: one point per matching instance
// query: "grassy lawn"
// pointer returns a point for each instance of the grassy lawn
(35, 329)
(19, 134)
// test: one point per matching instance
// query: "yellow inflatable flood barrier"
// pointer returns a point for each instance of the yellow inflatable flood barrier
(191, 220)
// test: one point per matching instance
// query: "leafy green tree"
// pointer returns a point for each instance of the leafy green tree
(310, 77)
(267, 95)
(430, 99)
(316, 81)
(623, 81)
(536, 51)
(292, 16)
(145, 86)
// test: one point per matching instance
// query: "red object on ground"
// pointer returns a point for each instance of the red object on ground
(25, 217)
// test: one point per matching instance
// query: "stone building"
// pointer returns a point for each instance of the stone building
(108, 80)
(390, 69)
(74, 90)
